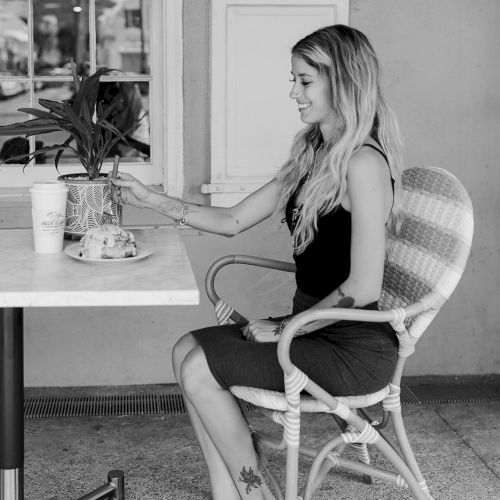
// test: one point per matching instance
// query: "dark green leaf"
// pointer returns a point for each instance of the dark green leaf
(30, 127)
(109, 126)
(75, 120)
(55, 107)
(40, 113)
(61, 151)
(76, 80)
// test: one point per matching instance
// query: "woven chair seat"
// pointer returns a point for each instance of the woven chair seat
(274, 400)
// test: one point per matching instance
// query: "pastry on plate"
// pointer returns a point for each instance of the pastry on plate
(108, 241)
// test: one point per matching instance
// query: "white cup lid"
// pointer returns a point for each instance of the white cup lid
(49, 185)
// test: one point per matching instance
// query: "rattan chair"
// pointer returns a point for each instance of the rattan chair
(424, 263)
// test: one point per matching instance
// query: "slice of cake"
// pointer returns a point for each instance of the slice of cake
(108, 241)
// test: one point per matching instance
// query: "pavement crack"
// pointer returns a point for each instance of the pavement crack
(480, 458)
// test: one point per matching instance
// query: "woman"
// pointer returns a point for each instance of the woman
(337, 191)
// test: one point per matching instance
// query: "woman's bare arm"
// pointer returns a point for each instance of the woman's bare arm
(220, 220)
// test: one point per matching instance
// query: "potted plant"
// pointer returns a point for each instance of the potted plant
(94, 129)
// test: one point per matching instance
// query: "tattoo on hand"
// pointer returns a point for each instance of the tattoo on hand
(250, 479)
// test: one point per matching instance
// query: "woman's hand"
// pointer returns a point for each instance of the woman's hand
(126, 189)
(261, 330)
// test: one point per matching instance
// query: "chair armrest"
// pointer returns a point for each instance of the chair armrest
(245, 260)
(394, 316)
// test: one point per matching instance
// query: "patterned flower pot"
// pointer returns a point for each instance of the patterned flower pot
(89, 204)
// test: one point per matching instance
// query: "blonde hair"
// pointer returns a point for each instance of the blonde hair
(345, 57)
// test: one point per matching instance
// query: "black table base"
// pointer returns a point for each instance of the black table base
(12, 416)
(11, 404)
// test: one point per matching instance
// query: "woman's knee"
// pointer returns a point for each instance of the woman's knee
(181, 349)
(195, 375)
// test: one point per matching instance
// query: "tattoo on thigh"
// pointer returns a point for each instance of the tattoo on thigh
(250, 479)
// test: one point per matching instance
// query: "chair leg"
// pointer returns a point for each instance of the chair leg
(361, 451)
(399, 430)
(308, 491)
(403, 469)
(292, 471)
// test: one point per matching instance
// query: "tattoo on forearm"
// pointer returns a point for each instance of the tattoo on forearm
(250, 479)
(177, 206)
(184, 211)
(179, 210)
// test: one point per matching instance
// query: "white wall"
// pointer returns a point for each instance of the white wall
(441, 74)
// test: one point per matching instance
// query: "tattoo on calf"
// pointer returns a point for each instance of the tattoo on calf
(250, 479)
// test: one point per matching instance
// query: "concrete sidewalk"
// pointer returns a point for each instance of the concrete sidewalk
(457, 446)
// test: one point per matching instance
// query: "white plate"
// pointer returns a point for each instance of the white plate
(143, 251)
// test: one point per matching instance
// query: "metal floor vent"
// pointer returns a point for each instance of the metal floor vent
(141, 404)
(93, 406)
(449, 393)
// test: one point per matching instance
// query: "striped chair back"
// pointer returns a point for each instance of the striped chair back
(427, 257)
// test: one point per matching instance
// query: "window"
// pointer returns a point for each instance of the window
(141, 39)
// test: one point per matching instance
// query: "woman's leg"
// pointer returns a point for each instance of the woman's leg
(222, 484)
(225, 424)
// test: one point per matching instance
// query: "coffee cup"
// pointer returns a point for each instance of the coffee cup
(48, 210)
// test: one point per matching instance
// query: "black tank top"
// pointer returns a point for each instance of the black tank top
(326, 262)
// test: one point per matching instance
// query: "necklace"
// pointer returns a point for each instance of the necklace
(298, 208)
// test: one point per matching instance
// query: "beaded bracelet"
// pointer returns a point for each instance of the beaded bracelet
(278, 330)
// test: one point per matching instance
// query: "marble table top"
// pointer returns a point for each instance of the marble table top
(28, 279)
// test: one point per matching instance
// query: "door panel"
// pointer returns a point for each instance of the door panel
(253, 118)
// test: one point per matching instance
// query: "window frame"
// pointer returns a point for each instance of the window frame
(166, 125)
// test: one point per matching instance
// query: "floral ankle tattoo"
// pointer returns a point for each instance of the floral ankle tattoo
(250, 479)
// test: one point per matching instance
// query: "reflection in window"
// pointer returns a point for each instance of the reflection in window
(123, 36)
(13, 38)
(12, 146)
(60, 33)
(128, 101)
(133, 18)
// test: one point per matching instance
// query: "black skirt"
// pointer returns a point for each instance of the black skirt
(347, 358)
